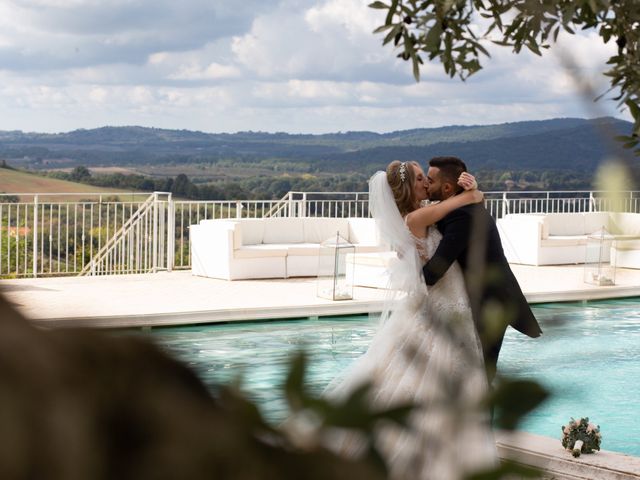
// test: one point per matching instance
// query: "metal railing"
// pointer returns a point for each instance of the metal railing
(144, 243)
(96, 234)
(500, 204)
(58, 234)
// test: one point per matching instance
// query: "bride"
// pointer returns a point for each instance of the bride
(426, 351)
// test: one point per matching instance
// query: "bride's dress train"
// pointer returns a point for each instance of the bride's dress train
(427, 352)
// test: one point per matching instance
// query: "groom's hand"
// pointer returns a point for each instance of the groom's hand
(467, 181)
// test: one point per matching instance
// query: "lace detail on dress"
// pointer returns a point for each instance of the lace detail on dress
(449, 293)
(421, 244)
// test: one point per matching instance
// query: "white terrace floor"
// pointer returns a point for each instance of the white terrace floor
(172, 298)
(180, 298)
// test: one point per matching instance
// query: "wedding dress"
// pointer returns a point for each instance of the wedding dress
(427, 352)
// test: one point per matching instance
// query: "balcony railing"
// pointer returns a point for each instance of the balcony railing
(72, 234)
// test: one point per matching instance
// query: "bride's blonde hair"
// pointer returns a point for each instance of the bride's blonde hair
(401, 181)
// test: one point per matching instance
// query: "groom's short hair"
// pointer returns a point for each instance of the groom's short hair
(450, 168)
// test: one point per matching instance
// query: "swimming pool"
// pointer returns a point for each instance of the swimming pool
(589, 357)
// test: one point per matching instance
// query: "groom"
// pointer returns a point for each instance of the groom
(470, 236)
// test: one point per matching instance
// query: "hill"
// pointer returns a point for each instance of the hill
(15, 181)
(565, 144)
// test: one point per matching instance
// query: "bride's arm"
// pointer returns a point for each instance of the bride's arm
(420, 219)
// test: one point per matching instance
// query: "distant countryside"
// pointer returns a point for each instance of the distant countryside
(559, 154)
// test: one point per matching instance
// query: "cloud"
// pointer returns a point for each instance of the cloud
(331, 40)
(274, 65)
(60, 34)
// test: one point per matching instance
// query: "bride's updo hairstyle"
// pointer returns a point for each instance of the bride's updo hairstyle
(401, 181)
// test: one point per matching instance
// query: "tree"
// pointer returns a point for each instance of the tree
(80, 174)
(443, 29)
(180, 185)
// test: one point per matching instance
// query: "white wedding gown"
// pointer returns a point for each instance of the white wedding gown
(427, 352)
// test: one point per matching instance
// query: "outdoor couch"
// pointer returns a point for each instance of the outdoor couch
(272, 247)
(561, 238)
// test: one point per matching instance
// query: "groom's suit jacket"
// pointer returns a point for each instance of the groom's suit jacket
(470, 236)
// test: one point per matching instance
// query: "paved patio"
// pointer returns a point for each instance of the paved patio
(170, 298)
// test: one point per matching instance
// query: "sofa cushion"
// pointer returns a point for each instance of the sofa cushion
(318, 229)
(379, 259)
(250, 231)
(261, 251)
(564, 240)
(627, 245)
(624, 237)
(283, 230)
(596, 221)
(625, 223)
(363, 231)
(304, 249)
(563, 224)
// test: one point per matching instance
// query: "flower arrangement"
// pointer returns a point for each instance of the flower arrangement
(580, 436)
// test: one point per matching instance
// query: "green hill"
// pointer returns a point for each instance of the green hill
(16, 182)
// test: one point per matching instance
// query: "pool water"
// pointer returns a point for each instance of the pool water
(589, 357)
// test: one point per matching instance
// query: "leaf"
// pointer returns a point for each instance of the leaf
(382, 28)
(482, 49)
(634, 109)
(238, 406)
(398, 413)
(396, 30)
(513, 399)
(392, 11)
(533, 46)
(294, 384)
(376, 459)
(379, 5)
(432, 40)
(416, 67)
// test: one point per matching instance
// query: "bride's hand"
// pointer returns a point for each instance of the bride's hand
(467, 181)
(476, 195)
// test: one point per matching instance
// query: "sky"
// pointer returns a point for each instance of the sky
(297, 66)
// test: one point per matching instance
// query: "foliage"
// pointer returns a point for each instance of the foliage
(445, 30)
(581, 430)
(313, 417)
(7, 198)
(80, 174)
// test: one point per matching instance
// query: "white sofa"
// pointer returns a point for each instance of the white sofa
(272, 247)
(561, 238)
(370, 269)
(626, 253)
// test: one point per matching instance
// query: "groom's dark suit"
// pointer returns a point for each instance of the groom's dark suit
(470, 236)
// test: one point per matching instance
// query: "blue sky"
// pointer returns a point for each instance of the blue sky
(300, 66)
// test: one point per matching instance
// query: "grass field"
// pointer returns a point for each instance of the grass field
(20, 182)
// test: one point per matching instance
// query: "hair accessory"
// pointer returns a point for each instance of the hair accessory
(403, 171)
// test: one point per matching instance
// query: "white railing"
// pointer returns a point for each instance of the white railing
(500, 204)
(144, 243)
(71, 234)
(58, 234)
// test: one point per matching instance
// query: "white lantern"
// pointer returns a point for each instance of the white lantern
(332, 269)
(599, 268)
